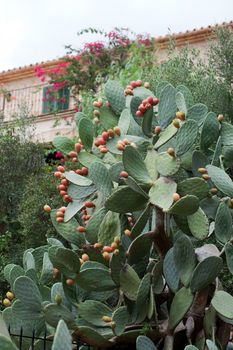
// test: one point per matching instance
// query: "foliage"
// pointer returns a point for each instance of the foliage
(208, 78)
(145, 189)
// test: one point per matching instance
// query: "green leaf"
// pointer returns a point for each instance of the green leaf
(223, 304)
(161, 193)
(73, 208)
(185, 259)
(92, 311)
(86, 133)
(121, 317)
(197, 112)
(166, 135)
(180, 305)
(223, 223)
(92, 227)
(205, 273)
(167, 104)
(144, 343)
(167, 165)
(95, 279)
(170, 271)
(63, 144)
(198, 224)
(209, 131)
(187, 205)
(135, 166)
(68, 230)
(125, 200)
(229, 256)
(62, 338)
(195, 186)
(221, 180)
(76, 179)
(99, 174)
(129, 282)
(107, 118)
(186, 137)
(109, 228)
(115, 95)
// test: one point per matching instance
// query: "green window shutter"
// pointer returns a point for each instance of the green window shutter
(64, 94)
(48, 106)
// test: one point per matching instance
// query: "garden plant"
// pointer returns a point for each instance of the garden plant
(145, 187)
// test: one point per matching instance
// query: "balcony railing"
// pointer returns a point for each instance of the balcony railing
(30, 97)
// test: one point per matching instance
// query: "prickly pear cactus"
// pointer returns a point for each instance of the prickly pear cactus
(142, 199)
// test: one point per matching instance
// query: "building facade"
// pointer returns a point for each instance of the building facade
(28, 92)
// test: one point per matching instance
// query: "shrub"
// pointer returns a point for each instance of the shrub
(150, 185)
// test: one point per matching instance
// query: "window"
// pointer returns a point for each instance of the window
(55, 102)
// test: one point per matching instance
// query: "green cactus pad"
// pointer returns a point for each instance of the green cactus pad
(160, 86)
(62, 338)
(185, 259)
(95, 279)
(152, 306)
(199, 160)
(6, 343)
(121, 317)
(57, 289)
(92, 337)
(107, 118)
(137, 140)
(7, 270)
(27, 291)
(143, 296)
(167, 165)
(135, 166)
(54, 313)
(129, 282)
(77, 179)
(129, 181)
(227, 134)
(63, 144)
(229, 256)
(15, 272)
(223, 223)
(92, 227)
(221, 180)
(140, 223)
(26, 312)
(197, 112)
(109, 228)
(198, 224)
(139, 248)
(116, 264)
(66, 260)
(115, 170)
(166, 135)
(186, 137)
(115, 95)
(217, 153)
(170, 271)
(150, 162)
(180, 102)
(144, 343)
(193, 186)
(209, 131)
(167, 104)
(68, 229)
(99, 174)
(125, 200)
(205, 273)
(191, 347)
(147, 121)
(223, 304)
(47, 270)
(124, 121)
(73, 208)
(211, 345)
(86, 159)
(79, 192)
(187, 95)
(161, 193)
(157, 278)
(134, 104)
(86, 133)
(92, 311)
(180, 305)
(187, 205)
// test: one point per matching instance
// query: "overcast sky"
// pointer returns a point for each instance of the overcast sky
(37, 30)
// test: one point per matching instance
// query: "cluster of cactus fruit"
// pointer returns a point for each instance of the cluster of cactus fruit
(134, 265)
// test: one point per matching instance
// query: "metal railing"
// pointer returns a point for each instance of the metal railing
(45, 340)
